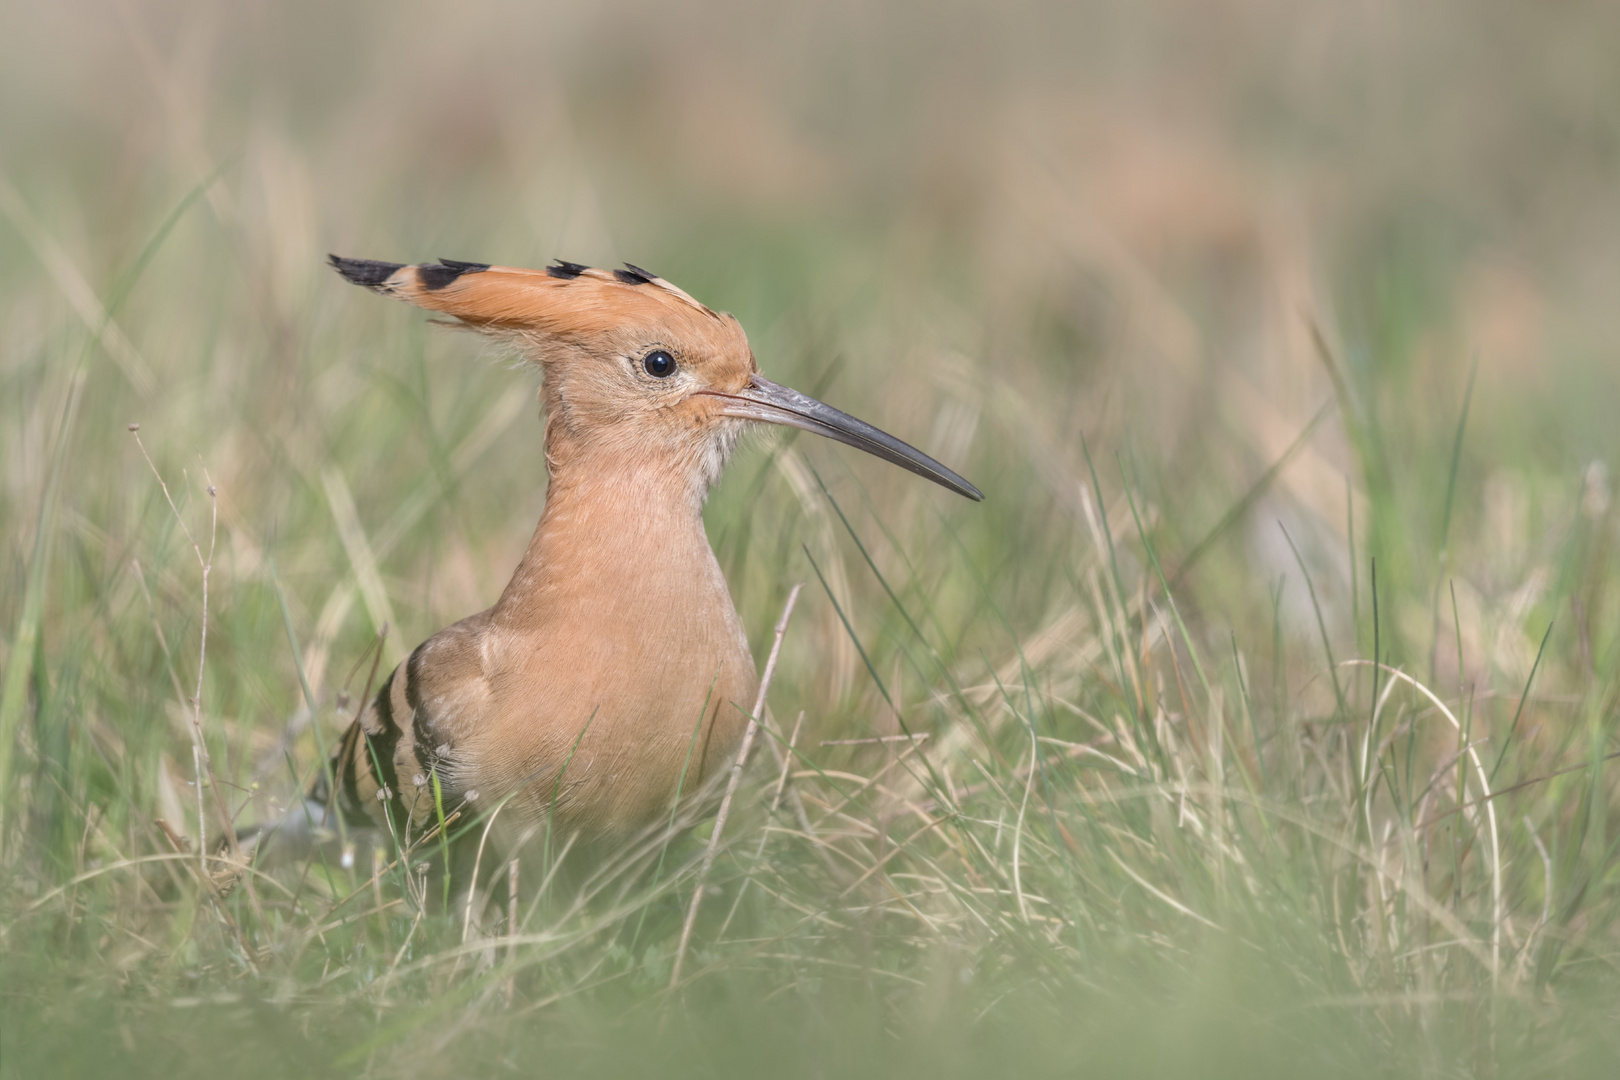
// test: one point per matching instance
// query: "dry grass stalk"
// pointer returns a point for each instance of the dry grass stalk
(731, 784)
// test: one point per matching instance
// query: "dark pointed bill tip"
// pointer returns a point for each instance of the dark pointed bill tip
(773, 403)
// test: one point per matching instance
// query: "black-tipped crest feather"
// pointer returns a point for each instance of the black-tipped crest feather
(368, 272)
(566, 270)
(438, 275)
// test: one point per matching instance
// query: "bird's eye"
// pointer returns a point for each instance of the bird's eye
(659, 364)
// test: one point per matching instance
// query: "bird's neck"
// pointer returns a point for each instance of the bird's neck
(613, 535)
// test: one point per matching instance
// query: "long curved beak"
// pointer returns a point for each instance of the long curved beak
(772, 403)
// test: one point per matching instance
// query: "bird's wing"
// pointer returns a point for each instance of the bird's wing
(398, 766)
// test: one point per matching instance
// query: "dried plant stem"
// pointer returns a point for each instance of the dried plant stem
(764, 834)
(511, 926)
(784, 761)
(731, 784)
(203, 765)
(197, 771)
(478, 861)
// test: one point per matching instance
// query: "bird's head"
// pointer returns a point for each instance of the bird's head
(636, 371)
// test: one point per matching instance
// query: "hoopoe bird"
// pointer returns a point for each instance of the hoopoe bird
(614, 659)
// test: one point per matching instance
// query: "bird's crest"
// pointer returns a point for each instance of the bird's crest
(565, 299)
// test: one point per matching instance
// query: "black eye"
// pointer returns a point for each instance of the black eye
(659, 364)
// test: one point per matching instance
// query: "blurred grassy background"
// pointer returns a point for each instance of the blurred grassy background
(1170, 235)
